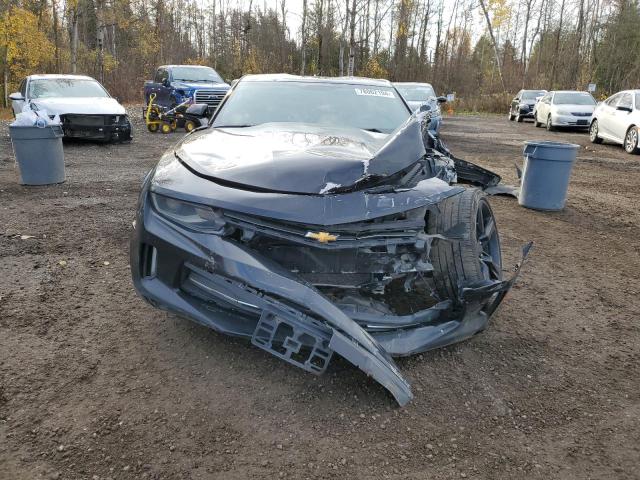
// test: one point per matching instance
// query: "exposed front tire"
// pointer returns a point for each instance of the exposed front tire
(536, 123)
(476, 259)
(631, 140)
(519, 118)
(511, 116)
(593, 132)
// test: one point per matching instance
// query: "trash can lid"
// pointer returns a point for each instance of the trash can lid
(551, 144)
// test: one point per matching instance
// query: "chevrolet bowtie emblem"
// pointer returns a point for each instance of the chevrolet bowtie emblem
(322, 237)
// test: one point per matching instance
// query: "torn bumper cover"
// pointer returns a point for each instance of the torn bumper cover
(97, 127)
(216, 279)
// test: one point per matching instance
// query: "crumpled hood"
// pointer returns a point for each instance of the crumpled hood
(199, 85)
(300, 158)
(82, 106)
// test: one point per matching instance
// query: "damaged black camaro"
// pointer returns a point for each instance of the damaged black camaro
(316, 216)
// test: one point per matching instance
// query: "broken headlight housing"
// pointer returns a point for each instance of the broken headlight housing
(191, 215)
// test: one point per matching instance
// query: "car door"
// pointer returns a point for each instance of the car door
(605, 116)
(515, 102)
(17, 105)
(163, 91)
(542, 109)
(620, 118)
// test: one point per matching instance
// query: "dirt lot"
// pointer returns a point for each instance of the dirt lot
(96, 384)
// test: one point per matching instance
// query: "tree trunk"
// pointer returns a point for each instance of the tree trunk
(557, 47)
(54, 8)
(495, 44)
(523, 56)
(352, 38)
(303, 62)
(74, 39)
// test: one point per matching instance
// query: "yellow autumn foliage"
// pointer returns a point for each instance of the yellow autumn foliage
(373, 69)
(23, 47)
(501, 11)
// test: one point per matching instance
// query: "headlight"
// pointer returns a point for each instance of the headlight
(190, 215)
(563, 112)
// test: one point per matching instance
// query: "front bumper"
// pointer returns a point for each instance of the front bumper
(525, 111)
(223, 284)
(570, 121)
(97, 127)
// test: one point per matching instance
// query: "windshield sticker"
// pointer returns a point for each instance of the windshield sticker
(374, 92)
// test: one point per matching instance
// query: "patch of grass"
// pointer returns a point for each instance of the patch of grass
(471, 113)
(6, 114)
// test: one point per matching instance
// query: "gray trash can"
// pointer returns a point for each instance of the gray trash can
(546, 173)
(39, 154)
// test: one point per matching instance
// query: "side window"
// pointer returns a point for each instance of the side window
(626, 101)
(164, 75)
(637, 101)
(158, 77)
(611, 101)
(547, 98)
(23, 88)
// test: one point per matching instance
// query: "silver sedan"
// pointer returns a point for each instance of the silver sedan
(617, 120)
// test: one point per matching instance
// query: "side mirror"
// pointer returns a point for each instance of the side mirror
(16, 96)
(624, 109)
(442, 99)
(166, 82)
(425, 107)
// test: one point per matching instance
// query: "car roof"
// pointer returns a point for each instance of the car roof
(569, 91)
(53, 76)
(284, 77)
(417, 84)
(193, 66)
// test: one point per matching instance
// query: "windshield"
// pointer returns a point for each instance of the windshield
(416, 93)
(196, 74)
(573, 98)
(377, 109)
(532, 95)
(65, 87)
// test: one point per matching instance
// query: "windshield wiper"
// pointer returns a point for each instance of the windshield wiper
(374, 130)
(233, 126)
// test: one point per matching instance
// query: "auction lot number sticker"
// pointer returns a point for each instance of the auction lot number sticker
(374, 92)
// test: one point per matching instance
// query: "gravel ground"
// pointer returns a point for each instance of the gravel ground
(96, 384)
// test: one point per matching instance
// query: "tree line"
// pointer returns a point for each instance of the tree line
(476, 48)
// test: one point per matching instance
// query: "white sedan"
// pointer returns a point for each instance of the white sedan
(617, 119)
(85, 107)
(566, 108)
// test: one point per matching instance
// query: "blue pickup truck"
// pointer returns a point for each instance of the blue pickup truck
(174, 84)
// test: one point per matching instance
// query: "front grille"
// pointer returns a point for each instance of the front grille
(84, 120)
(359, 254)
(581, 114)
(210, 97)
(396, 229)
